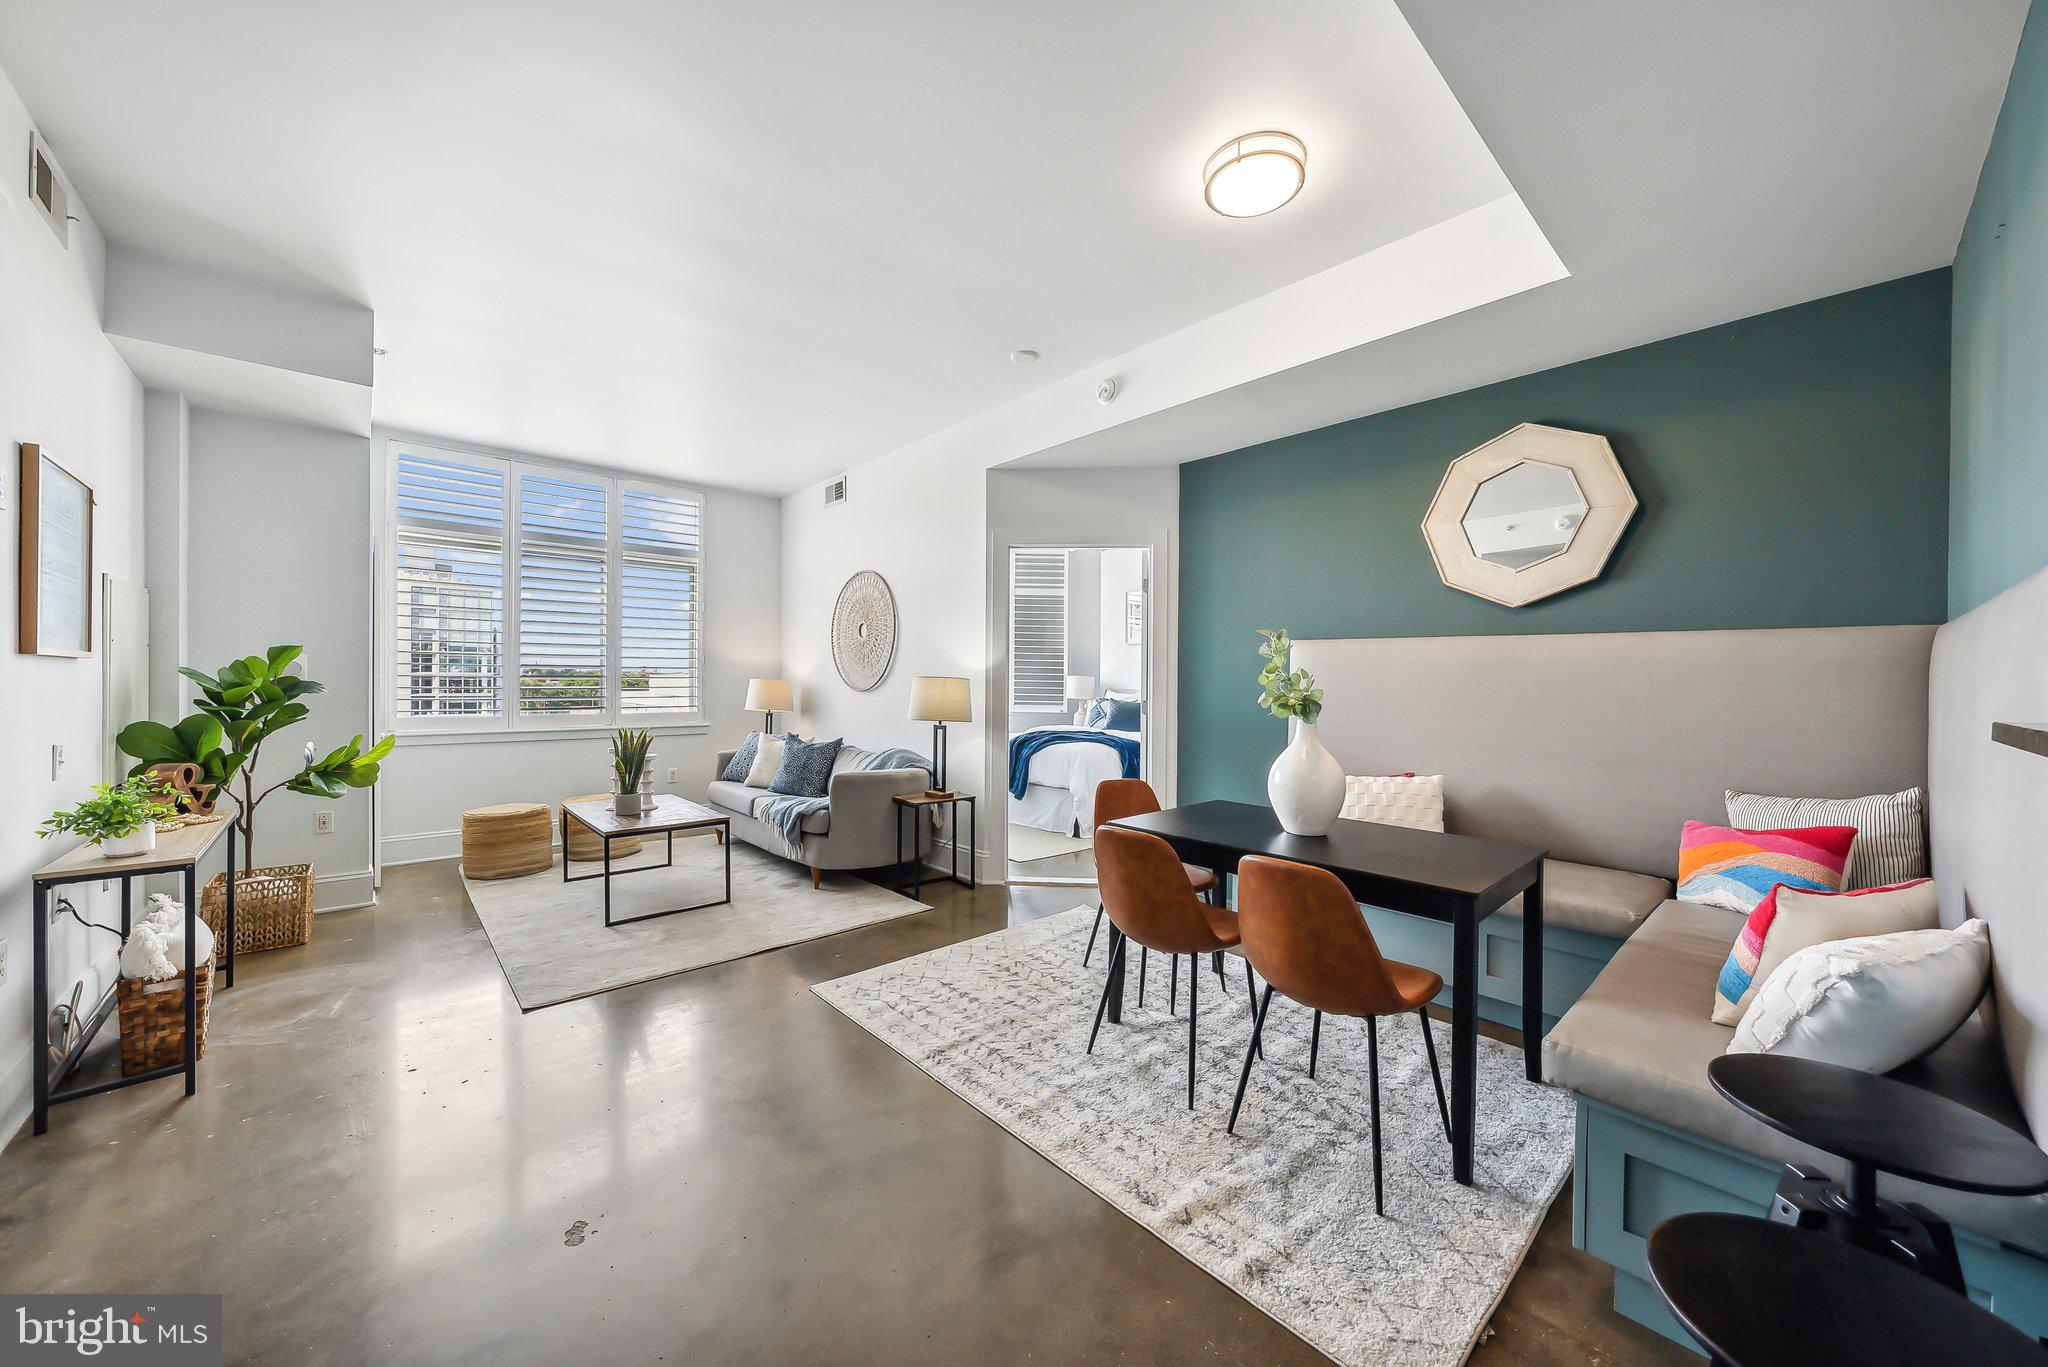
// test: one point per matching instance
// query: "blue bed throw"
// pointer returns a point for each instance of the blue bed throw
(1029, 743)
(786, 813)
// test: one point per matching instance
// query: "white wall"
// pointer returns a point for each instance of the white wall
(167, 497)
(62, 386)
(1122, 663)
(286, 503)
(430, 781)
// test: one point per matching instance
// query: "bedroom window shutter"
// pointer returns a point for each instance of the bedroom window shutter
(1038, 631)
(449, 560)
(660, 575)
(564, 567)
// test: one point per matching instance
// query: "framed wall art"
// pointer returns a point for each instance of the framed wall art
(55, 604)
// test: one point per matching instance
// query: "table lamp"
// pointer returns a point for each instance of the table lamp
(769, 696)
(938, 700)
(1080, 689)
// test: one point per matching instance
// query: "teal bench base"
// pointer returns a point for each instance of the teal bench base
(1629, 1175)
(1571, 960)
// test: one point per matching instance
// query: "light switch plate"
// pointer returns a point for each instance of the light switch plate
(56, 762)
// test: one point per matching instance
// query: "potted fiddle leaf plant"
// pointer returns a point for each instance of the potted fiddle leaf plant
(1305, 784)
(241, 706)
(119, 818)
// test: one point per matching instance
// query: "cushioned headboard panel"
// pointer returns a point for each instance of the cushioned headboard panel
(1601, 746)
(1990, 813)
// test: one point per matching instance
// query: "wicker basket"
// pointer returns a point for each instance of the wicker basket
(153, 1020)
(273, 907)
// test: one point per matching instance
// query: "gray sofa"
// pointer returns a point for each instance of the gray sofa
(856, 830)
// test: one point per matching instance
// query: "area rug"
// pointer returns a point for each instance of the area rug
(1282, 1211)
(1028, 843)
(552, 942)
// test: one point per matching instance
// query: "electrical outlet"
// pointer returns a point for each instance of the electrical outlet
(671, 775)
(56, 762)
(323, 823)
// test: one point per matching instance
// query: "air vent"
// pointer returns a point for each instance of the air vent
(47, 191)
(835, 492)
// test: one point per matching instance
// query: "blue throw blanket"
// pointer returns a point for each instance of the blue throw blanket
(1029, 743)
(786, 812)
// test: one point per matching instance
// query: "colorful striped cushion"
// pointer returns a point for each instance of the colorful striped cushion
(1813, 918)
(1724, 867)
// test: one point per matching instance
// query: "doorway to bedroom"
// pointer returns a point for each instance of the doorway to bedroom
(1079, 690)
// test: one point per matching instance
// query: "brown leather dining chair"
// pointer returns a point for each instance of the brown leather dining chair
(1115, 799)
(1150, 899)
(1305, 935)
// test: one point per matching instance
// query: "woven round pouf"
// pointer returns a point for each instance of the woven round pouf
(583, 846)
(507, 840)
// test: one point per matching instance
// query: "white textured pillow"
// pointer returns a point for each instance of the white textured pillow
(1873, 1003)
(767, 759)
(1406, 801)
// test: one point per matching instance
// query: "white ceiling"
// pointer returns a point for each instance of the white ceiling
(751, 244)
(1691, 164)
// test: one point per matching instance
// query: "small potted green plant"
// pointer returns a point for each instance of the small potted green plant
(119, 818)
(630, 752)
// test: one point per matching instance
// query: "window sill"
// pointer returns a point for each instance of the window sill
(594, 732)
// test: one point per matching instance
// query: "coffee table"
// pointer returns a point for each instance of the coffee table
(1877, 1124)
(668, 815)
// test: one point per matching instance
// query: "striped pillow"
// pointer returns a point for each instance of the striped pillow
(1891, 829)
(1720, 866)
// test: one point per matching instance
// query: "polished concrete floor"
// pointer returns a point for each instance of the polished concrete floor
(388, 1162)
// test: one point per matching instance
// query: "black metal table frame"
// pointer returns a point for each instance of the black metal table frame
(1465, 913)
(916, 878)
(722, 826)
(48, 1080)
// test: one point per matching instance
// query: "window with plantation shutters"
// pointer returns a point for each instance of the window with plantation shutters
(660, 544)
(530, 596)
(1038, 631)
(448, 551)
(564, 563)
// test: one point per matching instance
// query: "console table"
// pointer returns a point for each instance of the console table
(177, 851)
(1877, 1124)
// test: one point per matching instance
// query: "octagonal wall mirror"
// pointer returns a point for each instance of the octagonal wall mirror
(1533, 512)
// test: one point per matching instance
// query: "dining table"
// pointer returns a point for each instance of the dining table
(1457, 879)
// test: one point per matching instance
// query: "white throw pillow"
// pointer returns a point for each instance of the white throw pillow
(767, 759)
(1873, 1003)
(1410, 800)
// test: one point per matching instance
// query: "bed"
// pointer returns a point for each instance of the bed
(1054, 770)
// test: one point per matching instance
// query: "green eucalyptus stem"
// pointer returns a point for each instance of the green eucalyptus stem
(1284, 691)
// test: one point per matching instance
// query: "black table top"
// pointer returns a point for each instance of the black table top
(1758, 1294)
(1885, 1123)
(1429, 859)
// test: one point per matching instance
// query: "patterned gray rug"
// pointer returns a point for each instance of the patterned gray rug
(1282, 1211)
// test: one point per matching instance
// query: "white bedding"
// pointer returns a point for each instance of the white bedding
(1062, 778)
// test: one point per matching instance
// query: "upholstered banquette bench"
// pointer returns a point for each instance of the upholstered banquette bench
(1600, 748)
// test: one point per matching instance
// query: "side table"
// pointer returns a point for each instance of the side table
(915, 805)
(1877, 1124)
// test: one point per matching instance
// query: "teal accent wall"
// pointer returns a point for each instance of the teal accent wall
(1998, 485)
(1792, 471)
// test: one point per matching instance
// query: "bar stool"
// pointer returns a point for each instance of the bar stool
(1307, 938)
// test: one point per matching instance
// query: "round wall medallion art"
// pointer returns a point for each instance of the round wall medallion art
(864, 630)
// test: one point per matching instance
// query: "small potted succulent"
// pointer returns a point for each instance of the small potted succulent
(119, 818)
(630, 752)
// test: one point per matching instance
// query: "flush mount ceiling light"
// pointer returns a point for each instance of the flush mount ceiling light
(1024, 356)
(1254, 174)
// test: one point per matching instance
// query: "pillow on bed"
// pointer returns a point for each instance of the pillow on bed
(1395, 800)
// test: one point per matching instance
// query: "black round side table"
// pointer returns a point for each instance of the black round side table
(1754, 1293)
(1877, 1125)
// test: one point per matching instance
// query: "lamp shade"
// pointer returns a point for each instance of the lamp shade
(1080, 685)
(769, 695)
(937, 698)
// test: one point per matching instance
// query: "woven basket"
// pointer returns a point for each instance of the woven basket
(153, 1020)
(273, 907)
(582, 846)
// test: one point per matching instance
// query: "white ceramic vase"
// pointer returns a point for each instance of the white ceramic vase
(1306, 784)
(135, 842)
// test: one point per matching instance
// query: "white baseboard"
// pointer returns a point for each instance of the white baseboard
(421, 847)
(344, 891)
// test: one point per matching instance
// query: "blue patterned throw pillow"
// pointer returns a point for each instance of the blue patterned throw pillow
(742, 759)
(806, 767)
